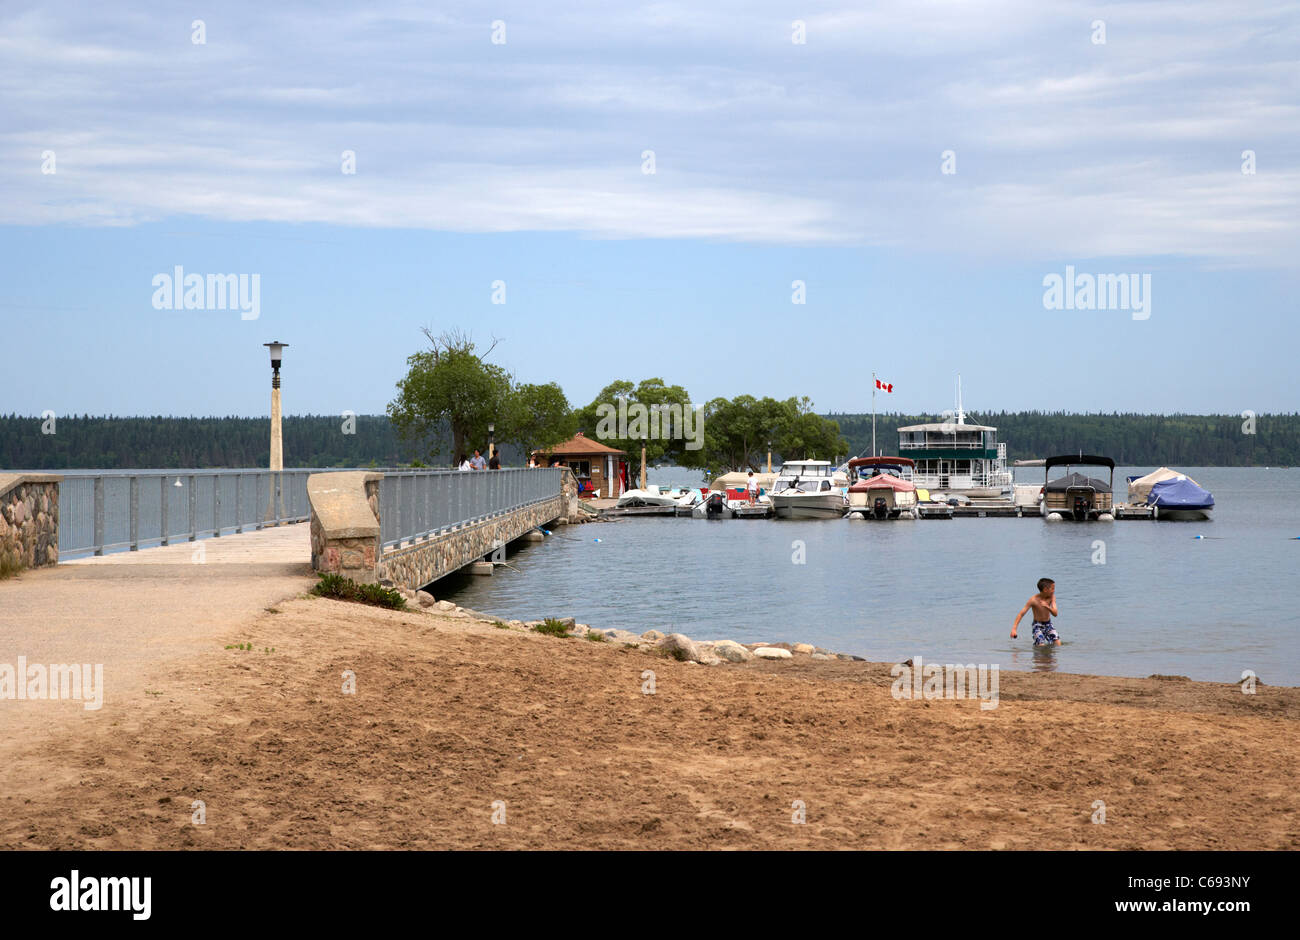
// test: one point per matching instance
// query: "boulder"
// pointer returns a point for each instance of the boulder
(821, 656)
(731, 651)
(446, 605)
(425, 599)
(804, 648)
(771, 652)
(654, 636)
(681, 647)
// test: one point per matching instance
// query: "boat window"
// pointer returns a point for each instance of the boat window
(826, 484)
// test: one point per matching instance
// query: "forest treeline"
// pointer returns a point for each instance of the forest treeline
(1133, 440)
(81, 442)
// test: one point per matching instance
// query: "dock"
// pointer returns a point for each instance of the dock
(641, 511)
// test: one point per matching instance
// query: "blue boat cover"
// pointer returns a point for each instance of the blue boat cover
(1180, 494)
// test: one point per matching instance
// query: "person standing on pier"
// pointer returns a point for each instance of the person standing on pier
(478, 463)
(753, 488)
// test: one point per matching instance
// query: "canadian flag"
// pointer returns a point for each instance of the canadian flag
(887, 386)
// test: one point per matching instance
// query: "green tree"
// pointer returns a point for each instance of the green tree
(600, 420)
(537, 417)
(450, 385)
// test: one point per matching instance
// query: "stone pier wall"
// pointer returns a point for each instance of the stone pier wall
(414, 566)
(345, 532)
(345, 523)
(29, 521)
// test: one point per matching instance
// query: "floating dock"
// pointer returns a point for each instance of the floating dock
(976, 509)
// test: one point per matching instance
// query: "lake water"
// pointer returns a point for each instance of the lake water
(1162, 602)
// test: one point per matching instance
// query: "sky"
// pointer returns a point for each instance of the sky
(619, 191)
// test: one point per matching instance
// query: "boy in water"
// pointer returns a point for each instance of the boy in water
(1044, 607)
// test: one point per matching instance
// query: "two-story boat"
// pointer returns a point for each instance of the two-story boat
(957, 458)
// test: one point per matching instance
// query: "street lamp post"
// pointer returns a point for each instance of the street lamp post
(492, 440)
(277, 439)
(769, 456)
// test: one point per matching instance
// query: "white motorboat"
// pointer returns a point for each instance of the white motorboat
(650, 496)
(808, 489)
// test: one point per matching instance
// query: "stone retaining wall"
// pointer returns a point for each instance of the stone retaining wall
(29, 521)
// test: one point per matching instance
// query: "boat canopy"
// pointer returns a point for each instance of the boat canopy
(740, 478)
(1140, 487)
(1180, 492)
(880, 462)
(1076, 479)
(1075, 460)
(883, 481)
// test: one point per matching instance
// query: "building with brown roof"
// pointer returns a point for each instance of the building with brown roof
(598, 467)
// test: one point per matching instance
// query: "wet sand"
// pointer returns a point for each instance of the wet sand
(453, 719)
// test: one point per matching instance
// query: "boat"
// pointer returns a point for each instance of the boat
(957, 458)
(808, 489)
(882, 488)
(1075, 496)
(650, 496)
(1171, 495)
(1180, 499)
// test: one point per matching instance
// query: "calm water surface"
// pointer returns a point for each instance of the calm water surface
(1163, 601)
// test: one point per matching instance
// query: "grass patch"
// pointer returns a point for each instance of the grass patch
(345, 589)
(552, 627)
(500, 625)
(596, 637)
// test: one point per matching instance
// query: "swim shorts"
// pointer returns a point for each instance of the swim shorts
(1044, 633)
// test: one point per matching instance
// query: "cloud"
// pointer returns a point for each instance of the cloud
(1064, 147)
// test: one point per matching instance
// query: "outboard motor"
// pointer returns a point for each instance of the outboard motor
(715, 505)
(1081, 507)
(879, 509)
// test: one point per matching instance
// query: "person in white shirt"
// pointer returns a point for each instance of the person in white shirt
(753, 487)
(464, 463)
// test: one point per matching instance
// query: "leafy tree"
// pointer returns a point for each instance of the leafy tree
(537, 417)
(600, 420)
(452, 384)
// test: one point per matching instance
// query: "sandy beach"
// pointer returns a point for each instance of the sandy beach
(453, 721)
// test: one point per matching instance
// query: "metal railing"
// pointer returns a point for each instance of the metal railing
(106, 511)
(417, 504)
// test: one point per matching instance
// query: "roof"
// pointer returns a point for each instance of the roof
(948, 427)
(1079, 460)
(1071, 480)
(881, 462)
(883, 481)
(579, 444)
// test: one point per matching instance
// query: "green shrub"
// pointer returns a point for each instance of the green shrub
(345, 589)
(596, 637)
(552, 627)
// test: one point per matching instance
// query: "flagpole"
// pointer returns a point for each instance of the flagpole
(873, 414)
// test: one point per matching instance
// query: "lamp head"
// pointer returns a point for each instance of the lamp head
(276, 349)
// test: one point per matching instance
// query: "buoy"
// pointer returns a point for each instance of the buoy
(1198, 536)
(595, 540)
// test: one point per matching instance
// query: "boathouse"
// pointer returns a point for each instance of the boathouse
(600, 469)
